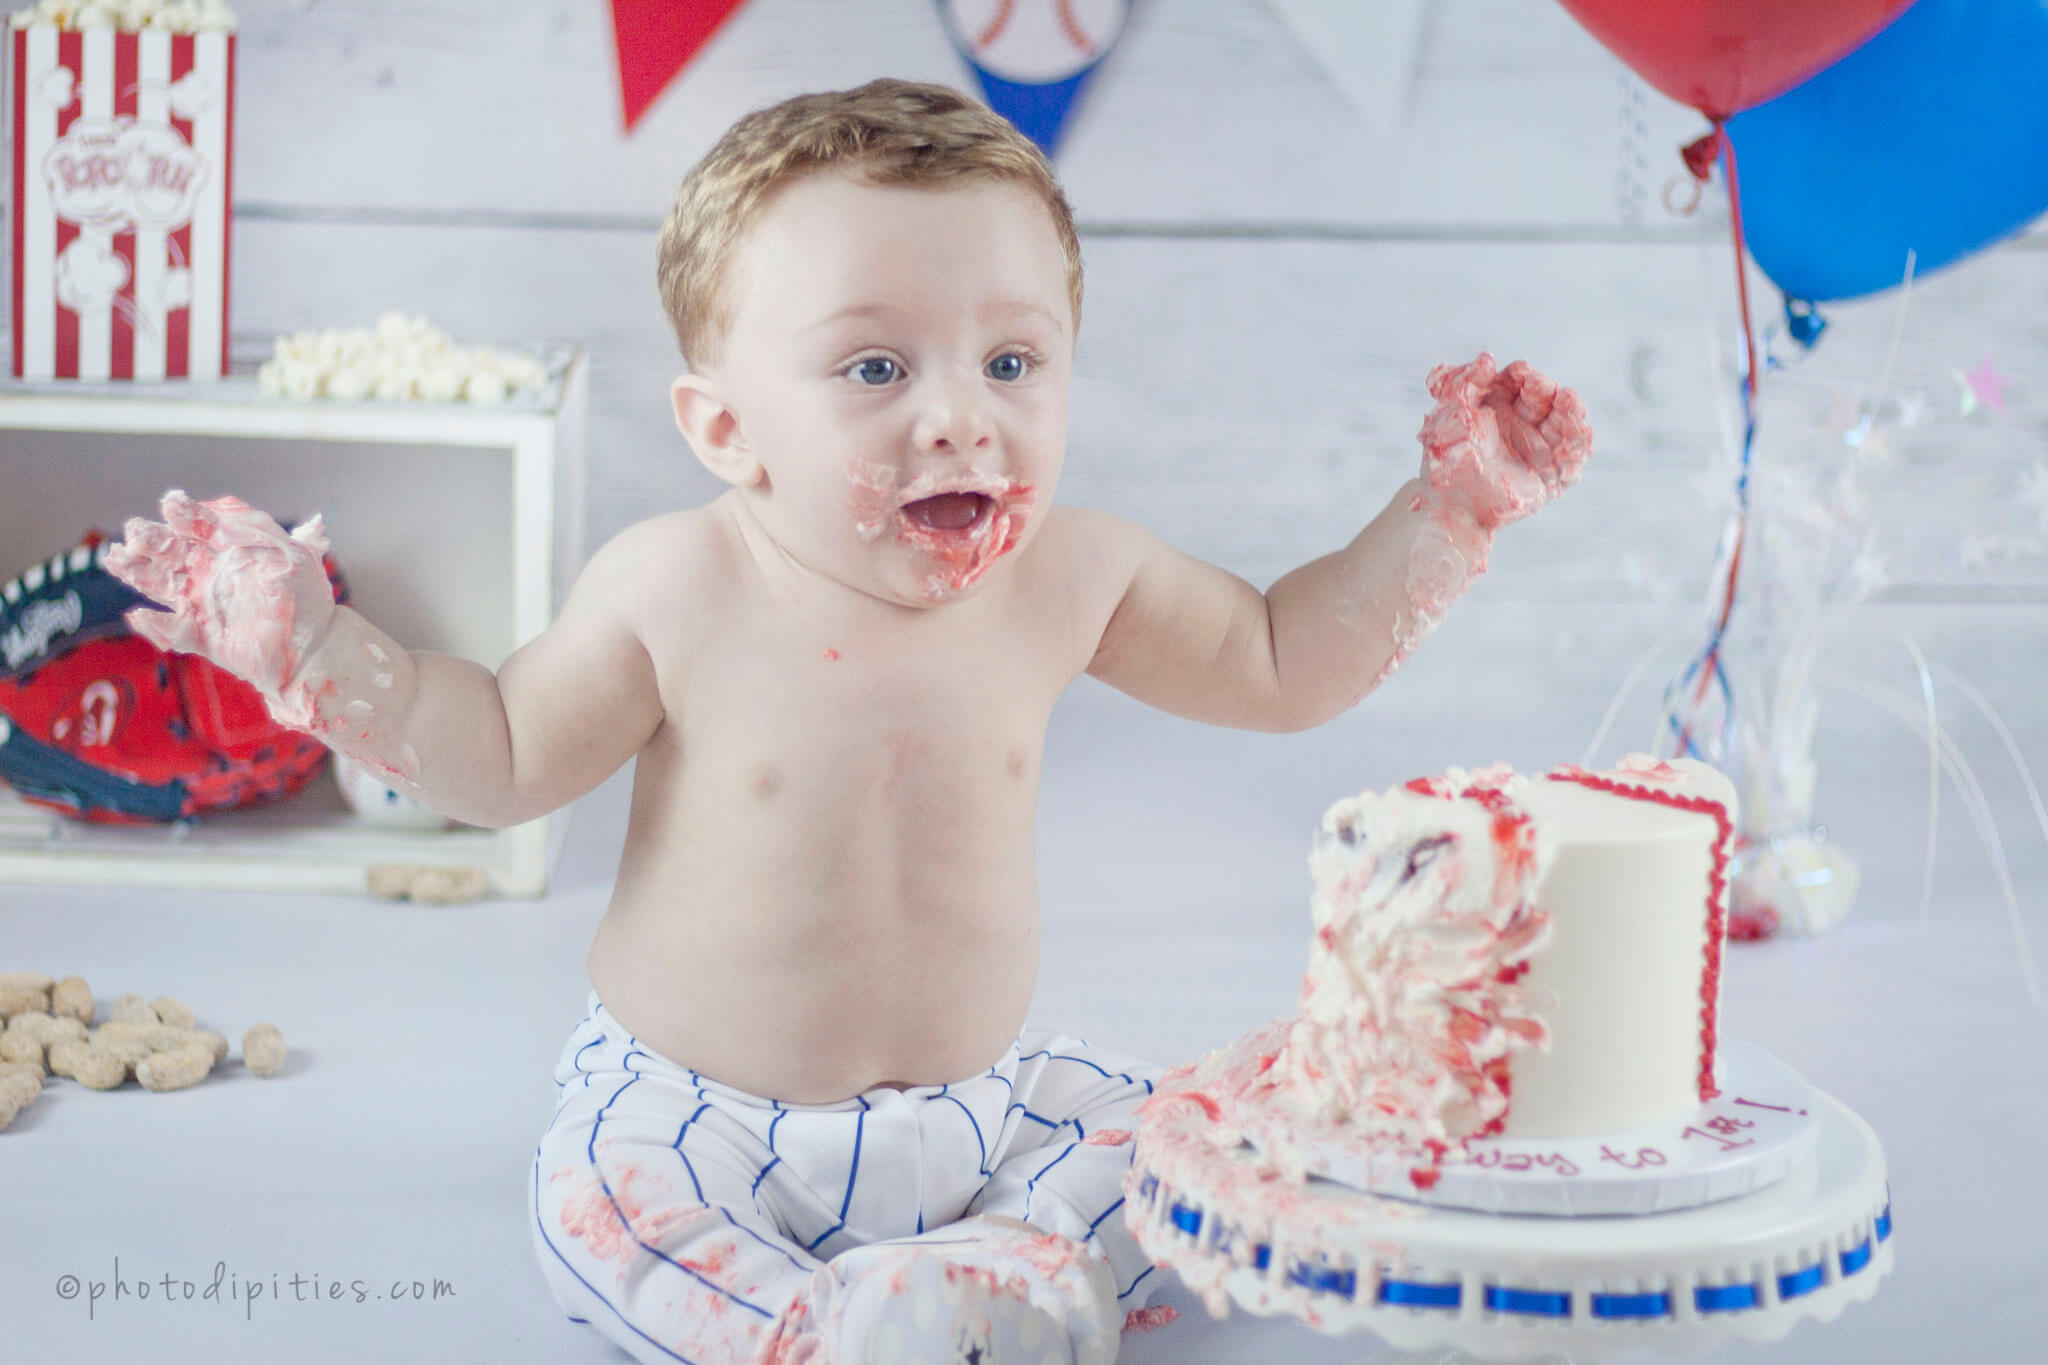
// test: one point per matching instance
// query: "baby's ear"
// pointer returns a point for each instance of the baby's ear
(708, 422)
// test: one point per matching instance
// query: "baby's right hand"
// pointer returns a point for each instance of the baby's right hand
(1502, 443)
(238, 590)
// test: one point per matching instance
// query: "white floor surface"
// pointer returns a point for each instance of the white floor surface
(395, 1148)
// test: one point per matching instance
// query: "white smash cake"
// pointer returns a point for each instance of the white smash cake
(1498, 956)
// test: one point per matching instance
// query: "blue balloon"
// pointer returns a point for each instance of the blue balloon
(1931, 137)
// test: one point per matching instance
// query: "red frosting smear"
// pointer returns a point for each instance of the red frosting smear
(1717, 885)
(1514, 838)
(1107, 1137)
(603, 1219)
(795, 1343)
(715, 1261)
(962, 559)
(1425, 1177)
(1753, 925)
(1149, 1319)
(1472, 1006)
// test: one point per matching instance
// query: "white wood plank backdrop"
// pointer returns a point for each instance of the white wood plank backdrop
(1270, 271)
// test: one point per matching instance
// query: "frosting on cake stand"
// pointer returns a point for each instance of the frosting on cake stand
(1509, 1020)
(1762, 1122)
(1503, 1287)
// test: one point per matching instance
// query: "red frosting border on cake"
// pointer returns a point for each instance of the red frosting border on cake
(1717, 883)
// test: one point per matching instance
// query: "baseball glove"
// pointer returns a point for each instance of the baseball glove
(101, 725)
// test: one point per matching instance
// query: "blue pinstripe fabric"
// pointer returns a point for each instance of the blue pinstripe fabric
(660, 1194)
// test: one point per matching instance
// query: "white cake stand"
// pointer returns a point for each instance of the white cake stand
(1513, 1287)
(1762, 1125)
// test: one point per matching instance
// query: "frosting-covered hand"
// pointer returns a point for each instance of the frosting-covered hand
(237, 588)
(1499, 445)
(1503, 443)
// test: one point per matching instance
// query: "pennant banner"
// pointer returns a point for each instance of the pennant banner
(1034, 57)
(655, 40)
(1367, 51)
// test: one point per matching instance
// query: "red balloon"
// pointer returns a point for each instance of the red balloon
(1722, 56)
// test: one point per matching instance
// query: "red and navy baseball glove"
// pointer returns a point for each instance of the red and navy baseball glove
(101, 725)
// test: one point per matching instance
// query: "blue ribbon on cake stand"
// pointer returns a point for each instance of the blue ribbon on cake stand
(1502, 1286)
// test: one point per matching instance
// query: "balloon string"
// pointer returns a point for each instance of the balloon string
(1699, 158)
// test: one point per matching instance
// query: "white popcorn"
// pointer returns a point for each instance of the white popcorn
(129, 16)
(441, 383)
(484, 387)
(301, 382)
(390, 384)
(349, 382)
(399, 358)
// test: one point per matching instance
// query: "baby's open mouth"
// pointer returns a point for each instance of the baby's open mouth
(960, 531)
(950, 511)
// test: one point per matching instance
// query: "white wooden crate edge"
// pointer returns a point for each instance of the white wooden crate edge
(543, 437)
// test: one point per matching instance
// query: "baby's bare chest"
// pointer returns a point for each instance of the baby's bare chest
(923, 720)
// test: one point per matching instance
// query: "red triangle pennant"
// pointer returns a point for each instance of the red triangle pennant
(656, 39)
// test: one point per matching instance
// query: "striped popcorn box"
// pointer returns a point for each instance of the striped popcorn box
(121, 172)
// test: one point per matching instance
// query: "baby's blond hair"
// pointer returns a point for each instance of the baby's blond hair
(890, 132)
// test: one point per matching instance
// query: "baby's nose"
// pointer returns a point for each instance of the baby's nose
(955, 419)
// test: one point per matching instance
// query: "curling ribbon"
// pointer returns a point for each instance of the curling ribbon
(1803, 321)
(1699, 157)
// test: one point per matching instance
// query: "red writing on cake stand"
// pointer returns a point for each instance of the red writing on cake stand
(1756, 1129)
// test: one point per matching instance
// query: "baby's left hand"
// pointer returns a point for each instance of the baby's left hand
(1501, 444)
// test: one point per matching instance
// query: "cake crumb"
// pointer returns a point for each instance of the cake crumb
(1140, 1320)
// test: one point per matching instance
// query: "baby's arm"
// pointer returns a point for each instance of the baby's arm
(562, 713)
(1192, 639)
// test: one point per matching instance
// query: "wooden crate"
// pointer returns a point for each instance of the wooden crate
(458, 527)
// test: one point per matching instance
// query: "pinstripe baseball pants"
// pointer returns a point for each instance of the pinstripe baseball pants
(683, 1218)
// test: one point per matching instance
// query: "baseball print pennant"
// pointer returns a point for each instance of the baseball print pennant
(1034, 57)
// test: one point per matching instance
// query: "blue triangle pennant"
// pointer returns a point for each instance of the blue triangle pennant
(1034, 57)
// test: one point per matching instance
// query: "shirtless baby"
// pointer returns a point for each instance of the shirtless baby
(801, 1120)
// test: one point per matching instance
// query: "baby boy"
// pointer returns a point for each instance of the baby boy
(801, 1120)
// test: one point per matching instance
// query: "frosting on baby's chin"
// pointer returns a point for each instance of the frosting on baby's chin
(959, 558)
(953, 558)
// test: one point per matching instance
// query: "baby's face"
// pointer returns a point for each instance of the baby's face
(898, 364)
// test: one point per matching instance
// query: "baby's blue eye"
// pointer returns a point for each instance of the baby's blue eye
(876, 370)
(1007, 366)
